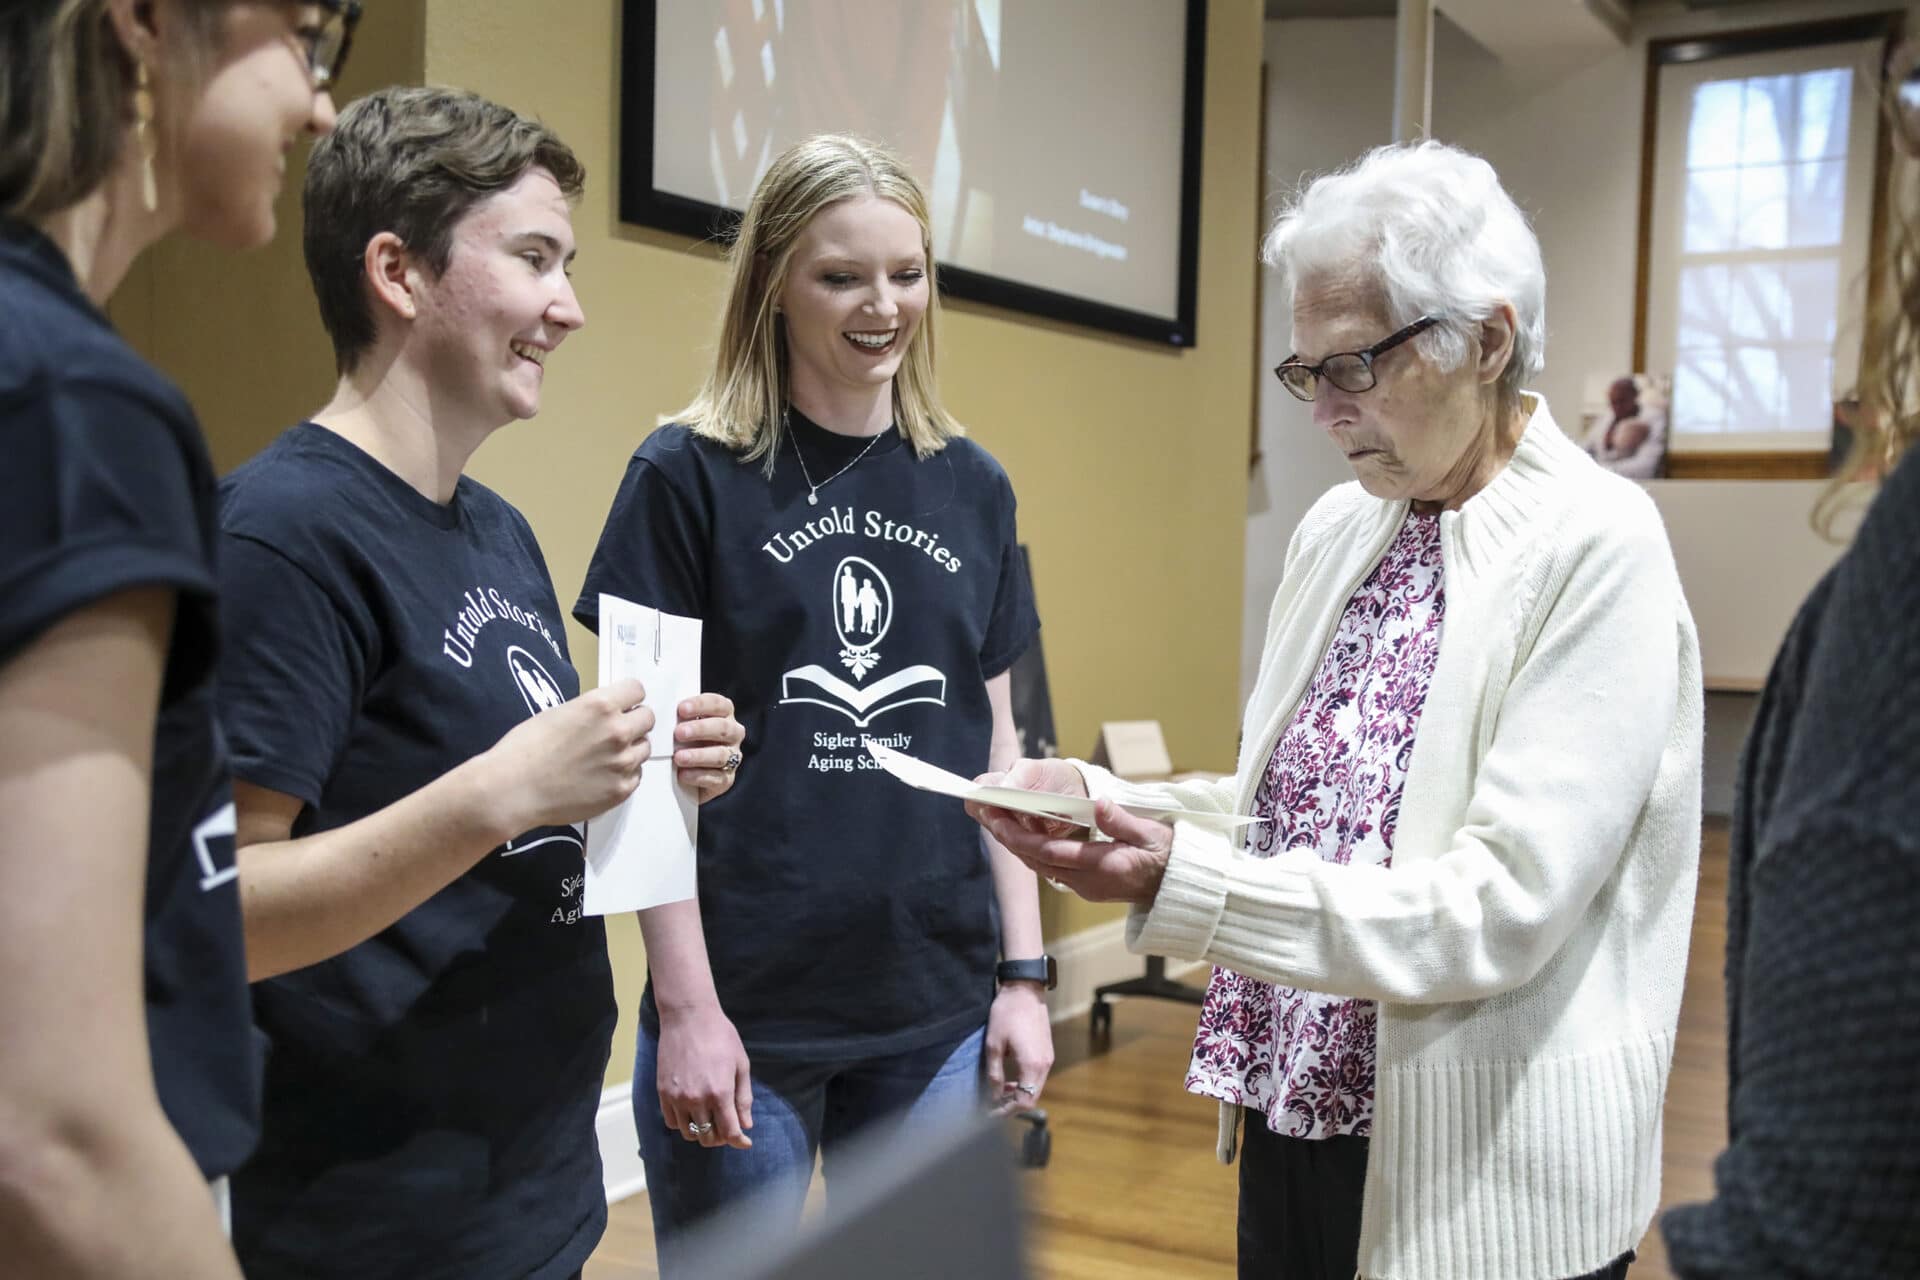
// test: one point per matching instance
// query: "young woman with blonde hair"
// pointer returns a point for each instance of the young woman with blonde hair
(129, 1080)
(855, 561)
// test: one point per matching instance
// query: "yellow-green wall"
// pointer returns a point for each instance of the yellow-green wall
(240, 333)
(1129, 458)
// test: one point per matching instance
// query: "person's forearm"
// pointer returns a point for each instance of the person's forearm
(1017, 890)
(677, 958)
(105, 1197)
(93, 1180)
(1015, 887)
(307, 900)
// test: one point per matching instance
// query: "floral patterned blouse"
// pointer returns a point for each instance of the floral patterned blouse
(1305, 1060)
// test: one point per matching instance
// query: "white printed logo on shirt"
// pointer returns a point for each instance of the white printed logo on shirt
(541, 691)
(213, 848)
(862, 614)
(861, 602)
(537, 688)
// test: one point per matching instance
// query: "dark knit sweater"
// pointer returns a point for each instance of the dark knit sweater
(1821, 1177)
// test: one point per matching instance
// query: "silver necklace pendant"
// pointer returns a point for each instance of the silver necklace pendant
(813, 490)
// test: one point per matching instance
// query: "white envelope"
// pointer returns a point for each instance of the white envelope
(1075, 809)
(641, 853)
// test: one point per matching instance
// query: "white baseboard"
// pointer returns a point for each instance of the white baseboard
(621, 1170)
(1093, 958)
(1088, 959)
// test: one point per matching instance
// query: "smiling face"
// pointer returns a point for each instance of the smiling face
(855, 291)
(485, 327)
(228, 159)
(1420, 433)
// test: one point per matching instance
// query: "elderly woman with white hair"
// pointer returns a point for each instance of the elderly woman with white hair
(1461, 927)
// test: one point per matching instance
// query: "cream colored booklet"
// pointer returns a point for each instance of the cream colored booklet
(1075, 809)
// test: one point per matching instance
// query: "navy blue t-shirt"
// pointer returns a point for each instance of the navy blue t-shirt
(846, 915)
(106, 487)
(431, 1093)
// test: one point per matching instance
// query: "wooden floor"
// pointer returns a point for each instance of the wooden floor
(1133, 1191)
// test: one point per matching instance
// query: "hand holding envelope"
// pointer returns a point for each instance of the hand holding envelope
(1124, 866)
(641, 853)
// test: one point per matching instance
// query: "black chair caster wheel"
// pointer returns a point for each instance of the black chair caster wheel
(1036, 1145)
(1100, 1019)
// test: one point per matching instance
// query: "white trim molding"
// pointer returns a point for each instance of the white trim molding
(1093, 958)
(620, 1169)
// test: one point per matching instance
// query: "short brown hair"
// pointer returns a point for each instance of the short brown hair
(66, 97)
(411, 161)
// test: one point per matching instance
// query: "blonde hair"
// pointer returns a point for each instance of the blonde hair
(743, 401)
(66, 96)
(1888, 422)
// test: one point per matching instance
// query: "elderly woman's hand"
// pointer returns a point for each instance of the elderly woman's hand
(1126, 867)
(1056, 777)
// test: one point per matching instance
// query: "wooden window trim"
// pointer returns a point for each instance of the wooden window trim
(1747, 464)
(1753, 464)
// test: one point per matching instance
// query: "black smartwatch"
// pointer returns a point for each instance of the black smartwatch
(1042, 971)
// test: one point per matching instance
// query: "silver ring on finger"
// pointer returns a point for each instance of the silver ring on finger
(733, 761)
(699, 1127)
(1031, 1090)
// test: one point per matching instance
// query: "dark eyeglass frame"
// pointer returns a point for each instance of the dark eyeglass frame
(327, 49)
(1363, 379)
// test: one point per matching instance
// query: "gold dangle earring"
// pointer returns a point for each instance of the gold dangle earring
(143, 136)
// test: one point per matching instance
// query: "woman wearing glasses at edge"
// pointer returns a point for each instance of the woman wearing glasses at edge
(411, 760)
(823, 513)
(1821, 1175)
(1449, 963)
(119, 122)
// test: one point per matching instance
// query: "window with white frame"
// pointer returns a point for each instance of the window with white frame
(1762, 216)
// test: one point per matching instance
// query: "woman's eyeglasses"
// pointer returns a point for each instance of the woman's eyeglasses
(1351, 371)
(328, 40)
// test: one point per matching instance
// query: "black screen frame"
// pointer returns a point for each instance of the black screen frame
(643, 204)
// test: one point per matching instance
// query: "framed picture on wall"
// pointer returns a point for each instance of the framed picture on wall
(1623, 424)
(1762, 200)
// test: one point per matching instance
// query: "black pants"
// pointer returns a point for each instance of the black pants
(1300, 1207)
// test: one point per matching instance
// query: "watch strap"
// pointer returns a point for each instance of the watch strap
(1041, 970)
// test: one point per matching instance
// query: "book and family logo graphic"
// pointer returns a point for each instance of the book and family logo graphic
(541, 693)
(861, 601)
(533, 682)
(862, 614)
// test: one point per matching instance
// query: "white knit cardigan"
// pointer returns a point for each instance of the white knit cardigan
(1528, 944)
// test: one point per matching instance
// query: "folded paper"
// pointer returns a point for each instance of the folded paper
(641, 852)
(1047, 804)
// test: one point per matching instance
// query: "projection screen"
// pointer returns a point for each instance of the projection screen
(1058, 140)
